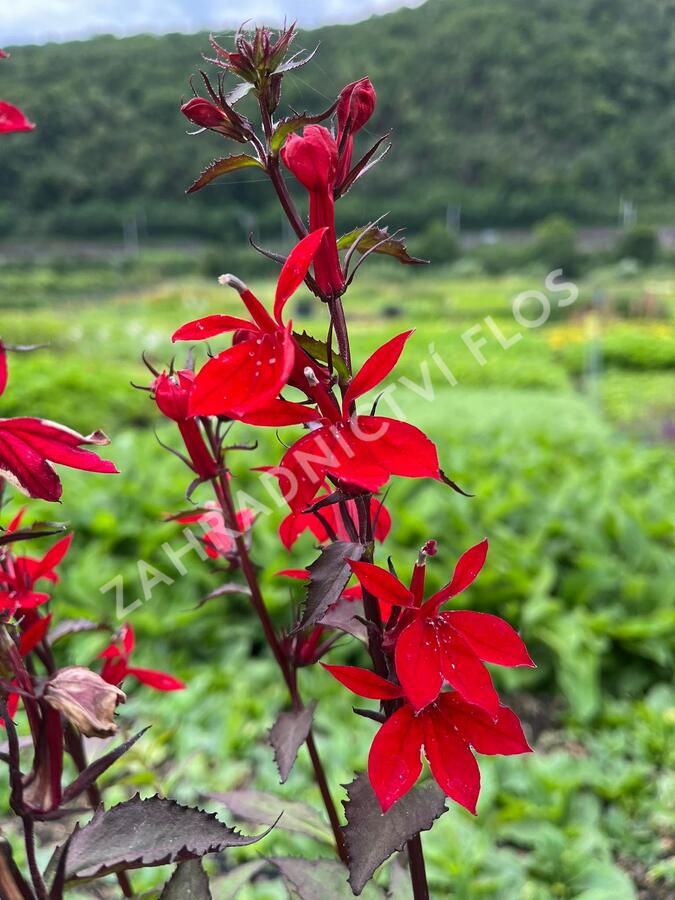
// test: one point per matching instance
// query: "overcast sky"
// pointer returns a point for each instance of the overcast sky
(37, 21)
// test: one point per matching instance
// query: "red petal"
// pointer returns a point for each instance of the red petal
(52, 558)
(490, 637)
(399, 447)
(244, 378)
(26, 469)
(33, 635)
(394, 762)
(418, 664)
(12, 119)
(364, 682)
(503, 736)
(466, 571)
(58, 444)
(465, 672)
(381, 583)
(161, 681)
(295, 268)
(16, 521)
(376, 368)
(128, 638)
(452, 764)
(209, 327)
(300, 574)
(295, 523)
(281, 412)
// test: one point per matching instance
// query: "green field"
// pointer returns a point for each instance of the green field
(563, 438)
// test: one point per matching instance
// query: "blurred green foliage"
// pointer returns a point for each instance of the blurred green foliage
(578, 507)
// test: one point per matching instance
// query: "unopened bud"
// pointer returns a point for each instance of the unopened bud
(429, 549)
(85, 699)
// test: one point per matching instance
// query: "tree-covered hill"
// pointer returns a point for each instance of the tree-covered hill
(507, 109)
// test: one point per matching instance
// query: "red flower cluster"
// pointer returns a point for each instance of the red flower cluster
(29, 447)
(116, 666)
(430, 648)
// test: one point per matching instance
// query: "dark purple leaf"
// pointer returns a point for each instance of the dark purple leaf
(288, 734)
(224, 590)
(342, 616)
(12, 883)
(93, 771)
(36, 530)
(367, 238)
(372, 836)
(363, 165)
(140, 833)
(262, 808)
(319, 879)
(328, 577)
(188, 882)
(222, 167)
(74, 626)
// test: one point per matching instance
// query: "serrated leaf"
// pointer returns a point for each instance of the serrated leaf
(229, 886)
(188, 882)
(319, 879)
(367, 161)
(262, 808)
(391, 247)
(295, 123)
(328, 577)
(95, 769)
(141, 833)
(294, 62)
(318, 350)
(342, 617)
(288, 734)
(371, 836)
(222, 167)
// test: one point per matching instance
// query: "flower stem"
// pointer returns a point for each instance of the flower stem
(224, 497)
(418, 872)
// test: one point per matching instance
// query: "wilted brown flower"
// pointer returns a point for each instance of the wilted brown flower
(85, 699)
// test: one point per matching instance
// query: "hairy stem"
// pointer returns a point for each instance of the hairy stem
(224, 497)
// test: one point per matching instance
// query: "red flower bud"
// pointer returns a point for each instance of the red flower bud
(172, 394)
(356, 105)
(313, 159)
(203, 113)
(12, 119)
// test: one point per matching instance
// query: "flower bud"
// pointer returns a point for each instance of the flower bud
(85, 699)
(203, 113)
(172, 394)
(356, 105)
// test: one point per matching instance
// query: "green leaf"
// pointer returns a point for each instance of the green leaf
(388, 246)
(318, 350)
(222, 167)
(229, 886)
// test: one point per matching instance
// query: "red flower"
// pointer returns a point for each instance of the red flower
(116, 666)
(12, 119)
(218, 538)
(431, 647)
(296, 522)
(313, 159)
(29, 446)
(18, 575)
(361, 452)
(355, 107)
(244, 381)
(445, 730)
